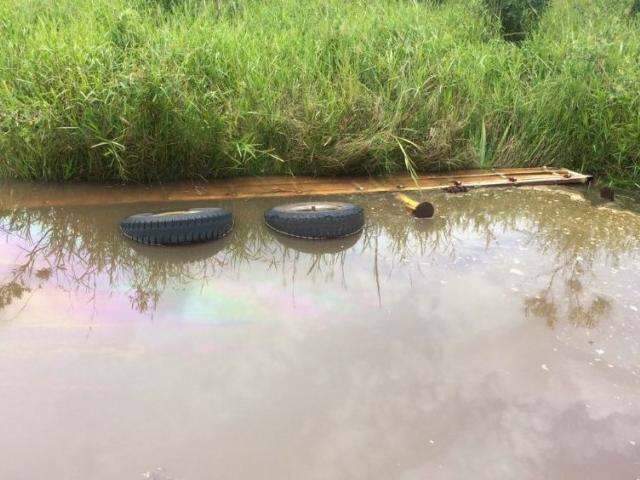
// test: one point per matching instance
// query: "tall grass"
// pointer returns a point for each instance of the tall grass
(158, 90)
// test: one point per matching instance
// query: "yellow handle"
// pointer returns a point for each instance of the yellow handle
(409, 202)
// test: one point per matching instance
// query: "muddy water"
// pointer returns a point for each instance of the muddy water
(500, 340)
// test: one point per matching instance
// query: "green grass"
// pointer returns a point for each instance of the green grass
(159, 90)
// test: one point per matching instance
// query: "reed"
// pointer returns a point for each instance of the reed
(160, 90)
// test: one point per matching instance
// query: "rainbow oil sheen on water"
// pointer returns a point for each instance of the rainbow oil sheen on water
(499, 340)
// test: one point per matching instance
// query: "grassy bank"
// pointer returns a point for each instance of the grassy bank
(148, 90)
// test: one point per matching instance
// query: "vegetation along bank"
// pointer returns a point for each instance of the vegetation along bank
(159, 90)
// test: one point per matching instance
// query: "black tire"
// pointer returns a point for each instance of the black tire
(316, 220)
(178, 228)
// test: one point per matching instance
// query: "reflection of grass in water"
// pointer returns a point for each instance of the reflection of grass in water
(75, 245)
(572, 232)
(76, 248)
(572, 303)
(11, 291)
(543, 216)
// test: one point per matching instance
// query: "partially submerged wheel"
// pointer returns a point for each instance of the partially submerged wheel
(316, 220)
(178, 228)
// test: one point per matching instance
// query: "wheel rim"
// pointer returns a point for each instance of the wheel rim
(314, 207)
(177, 212)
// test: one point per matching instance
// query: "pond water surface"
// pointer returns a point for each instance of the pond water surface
(500, 340)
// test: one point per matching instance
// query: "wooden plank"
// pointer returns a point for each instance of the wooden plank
(29, 195)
